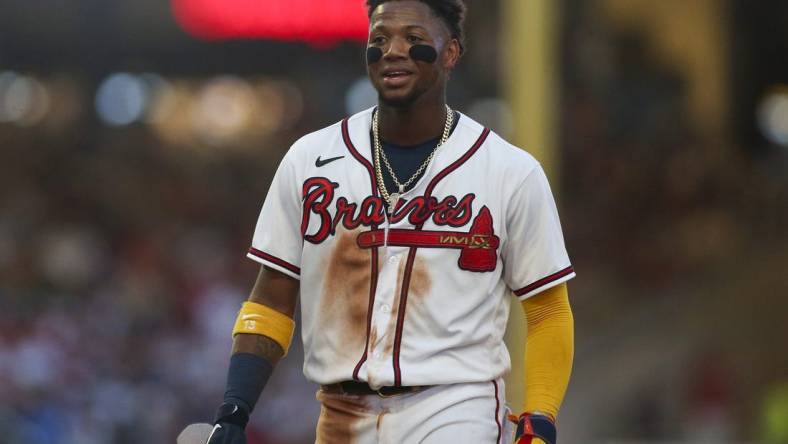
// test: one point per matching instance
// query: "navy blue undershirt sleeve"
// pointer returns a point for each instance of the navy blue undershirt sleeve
(246, 377)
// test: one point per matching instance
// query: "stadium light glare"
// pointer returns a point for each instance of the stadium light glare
(121, 99)
(6, 79)
(223, 110)
(24, 101)
(773, 115)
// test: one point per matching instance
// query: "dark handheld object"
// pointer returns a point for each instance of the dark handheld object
(540, 426)
(419, 53)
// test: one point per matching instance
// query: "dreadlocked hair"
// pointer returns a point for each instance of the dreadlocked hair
(452, 12)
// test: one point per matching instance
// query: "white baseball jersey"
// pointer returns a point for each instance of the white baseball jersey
(422, 296)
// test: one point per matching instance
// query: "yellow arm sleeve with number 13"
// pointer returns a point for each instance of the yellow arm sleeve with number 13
(549, 350)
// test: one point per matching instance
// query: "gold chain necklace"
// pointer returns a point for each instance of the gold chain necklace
(393, 198)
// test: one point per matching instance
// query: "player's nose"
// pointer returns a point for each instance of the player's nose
(397, 49)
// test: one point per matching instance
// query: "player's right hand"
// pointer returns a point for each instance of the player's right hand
(229, 425)
(226, 433)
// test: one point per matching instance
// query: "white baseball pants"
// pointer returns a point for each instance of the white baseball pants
(473, 413)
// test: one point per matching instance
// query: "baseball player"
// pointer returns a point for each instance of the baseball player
(405, 229)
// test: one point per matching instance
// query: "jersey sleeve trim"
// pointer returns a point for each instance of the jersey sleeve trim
(545, 283)
(274, 262)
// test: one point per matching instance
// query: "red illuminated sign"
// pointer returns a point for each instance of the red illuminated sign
(319, 22)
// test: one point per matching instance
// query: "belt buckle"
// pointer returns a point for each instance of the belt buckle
(383, 395)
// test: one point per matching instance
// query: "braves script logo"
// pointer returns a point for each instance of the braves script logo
(478, 246)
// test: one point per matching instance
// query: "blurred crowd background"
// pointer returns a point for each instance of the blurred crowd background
(138, 140)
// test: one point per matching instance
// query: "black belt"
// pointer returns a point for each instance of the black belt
(362, 388)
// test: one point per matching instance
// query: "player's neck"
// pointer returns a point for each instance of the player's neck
(412, 125)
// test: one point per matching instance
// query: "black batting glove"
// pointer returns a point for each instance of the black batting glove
(229, 425)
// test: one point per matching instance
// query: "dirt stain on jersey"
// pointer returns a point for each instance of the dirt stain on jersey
(380, 420)
(373, 336)
(346, 289)
(419, 286)
(341, 417)
(420, 281)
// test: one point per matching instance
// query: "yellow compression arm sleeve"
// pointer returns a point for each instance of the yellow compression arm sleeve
(549, 349)
(258, 319)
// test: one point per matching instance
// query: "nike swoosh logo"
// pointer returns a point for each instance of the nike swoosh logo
(251, 316)
(319, 163)
(216, 428)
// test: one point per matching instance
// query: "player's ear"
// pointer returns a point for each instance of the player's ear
(451, 54)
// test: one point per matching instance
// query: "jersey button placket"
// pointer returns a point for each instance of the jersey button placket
(378, 370)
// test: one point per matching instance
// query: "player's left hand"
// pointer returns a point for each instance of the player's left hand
(530, 425)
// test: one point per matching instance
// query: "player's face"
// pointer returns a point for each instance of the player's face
(395, 26)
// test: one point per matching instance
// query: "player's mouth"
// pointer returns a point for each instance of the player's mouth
(396, 77)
